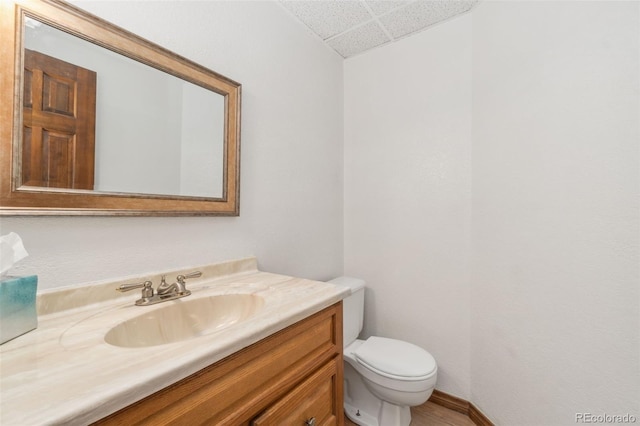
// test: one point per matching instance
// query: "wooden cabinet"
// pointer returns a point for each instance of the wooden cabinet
(311, 403)
(287, 378)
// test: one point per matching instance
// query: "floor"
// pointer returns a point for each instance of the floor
(430, 414)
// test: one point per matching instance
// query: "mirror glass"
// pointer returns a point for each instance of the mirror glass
(141, 131)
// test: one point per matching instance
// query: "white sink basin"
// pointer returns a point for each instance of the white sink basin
(184, 319)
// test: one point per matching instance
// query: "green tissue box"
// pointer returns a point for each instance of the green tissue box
(17, 306)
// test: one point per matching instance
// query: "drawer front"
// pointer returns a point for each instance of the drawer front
(313, 402)
(235, 389)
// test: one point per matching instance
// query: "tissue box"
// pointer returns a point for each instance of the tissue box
(17, 306)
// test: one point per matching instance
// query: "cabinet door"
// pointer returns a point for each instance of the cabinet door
(313, 402)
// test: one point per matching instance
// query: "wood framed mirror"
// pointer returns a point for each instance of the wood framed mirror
(95, 120)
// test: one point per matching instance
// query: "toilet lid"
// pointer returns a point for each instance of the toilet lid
(395, 358)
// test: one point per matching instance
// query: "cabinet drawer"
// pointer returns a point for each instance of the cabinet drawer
(314, 398)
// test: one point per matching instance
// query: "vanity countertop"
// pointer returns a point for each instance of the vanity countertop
(65, 373)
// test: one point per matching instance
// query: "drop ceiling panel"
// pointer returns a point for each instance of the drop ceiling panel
(328, 18)
(351, 27)
(358, 40)
(422, 14)
(380, 7)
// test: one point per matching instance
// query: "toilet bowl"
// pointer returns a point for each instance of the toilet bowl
(383, 377)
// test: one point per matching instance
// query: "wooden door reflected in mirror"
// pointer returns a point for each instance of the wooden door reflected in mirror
(59, 115)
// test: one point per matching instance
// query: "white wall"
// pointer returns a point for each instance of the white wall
(555, 323)
(291, 171)
(407, 192)
(533, 314)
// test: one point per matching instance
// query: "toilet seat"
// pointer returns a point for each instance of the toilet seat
(395, 359)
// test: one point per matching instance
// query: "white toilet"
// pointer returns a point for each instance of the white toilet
(382, 377)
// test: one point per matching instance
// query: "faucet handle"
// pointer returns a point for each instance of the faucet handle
(147, 290)
(194, 274)
(127, 287)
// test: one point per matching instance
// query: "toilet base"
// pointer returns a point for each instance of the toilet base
(394, 415)
(389, 415)
(365, 409)
(359, 417)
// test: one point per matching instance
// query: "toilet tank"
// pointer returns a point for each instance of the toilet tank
(353, 308)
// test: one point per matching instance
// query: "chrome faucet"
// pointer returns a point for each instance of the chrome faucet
(164, 292)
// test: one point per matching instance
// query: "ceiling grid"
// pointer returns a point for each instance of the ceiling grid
(351, 27)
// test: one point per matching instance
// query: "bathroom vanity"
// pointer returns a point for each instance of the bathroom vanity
(272, 356)
(290, 378)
